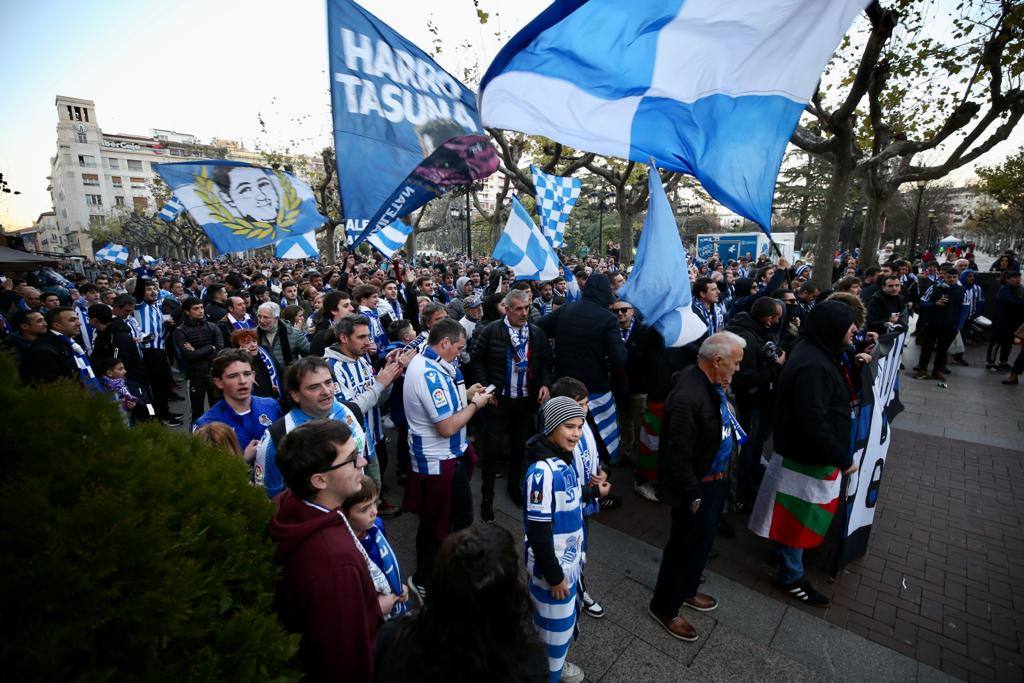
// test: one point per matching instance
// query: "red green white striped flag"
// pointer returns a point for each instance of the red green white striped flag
(796, 502)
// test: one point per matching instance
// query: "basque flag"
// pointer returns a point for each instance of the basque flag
(705, 87)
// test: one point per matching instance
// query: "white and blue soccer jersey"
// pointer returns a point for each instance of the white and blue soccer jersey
(587, 463)
(553, 496)
(434, 391)
(352, 379)
(151, 323)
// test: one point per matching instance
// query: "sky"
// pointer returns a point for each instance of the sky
(211, 68)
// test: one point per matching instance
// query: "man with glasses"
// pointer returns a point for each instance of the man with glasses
(250, 416)
(630, 392)
(311, 387)
(327, 592)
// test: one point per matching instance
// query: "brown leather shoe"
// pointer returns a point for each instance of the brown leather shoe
(702, 602)
(677, 627)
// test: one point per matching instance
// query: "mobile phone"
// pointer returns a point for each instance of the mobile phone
(490, 389)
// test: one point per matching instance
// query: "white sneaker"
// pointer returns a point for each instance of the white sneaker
(646, 490)
(571, 673)
(591, 606)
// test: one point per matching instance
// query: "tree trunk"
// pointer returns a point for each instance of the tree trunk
(332, 250)
(828, 235)
(801, 226)
(869, 236)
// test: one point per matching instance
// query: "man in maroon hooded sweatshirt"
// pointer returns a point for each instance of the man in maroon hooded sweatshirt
(325, 592)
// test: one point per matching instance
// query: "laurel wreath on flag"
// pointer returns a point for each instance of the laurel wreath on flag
(287, 212)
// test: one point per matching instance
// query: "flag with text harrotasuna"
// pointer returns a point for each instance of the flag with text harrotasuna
(405, 130)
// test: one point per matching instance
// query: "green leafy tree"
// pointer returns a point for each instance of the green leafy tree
(128, 554)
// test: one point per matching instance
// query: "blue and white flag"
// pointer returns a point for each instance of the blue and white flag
(524, 249)
(572, 288)
(390, 238)
(242, 206)
(171, 208)
(113, 252)
(556, 195)
(299, 246)
(659, 286)
(405, 130)
(705, 87)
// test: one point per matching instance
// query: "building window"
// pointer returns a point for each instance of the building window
(134, 165)
(138, 183)
(94, 200)
(116, 180)
(118, 200)
(86, 161)
(82, 137)
(113, 164)
(96, 221)
(90, 179)
(140, 202)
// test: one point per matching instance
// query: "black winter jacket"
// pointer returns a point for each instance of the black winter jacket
(691, 432)
(754, 382)
(118, 341)
(206, 340)
(489, 353)
(586, 335)
(880, 309)
(48, 359)
(813, 402)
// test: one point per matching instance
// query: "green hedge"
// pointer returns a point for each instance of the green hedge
(128, 554)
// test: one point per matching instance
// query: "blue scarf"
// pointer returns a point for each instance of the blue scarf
(379, 550)
(85, 374)
(268, 362)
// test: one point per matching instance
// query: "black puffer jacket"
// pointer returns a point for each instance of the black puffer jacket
(691, 432)
(754, 382)
(206, 340)
(587, 339)
(813, 402)
(490, 351)
(118, 341)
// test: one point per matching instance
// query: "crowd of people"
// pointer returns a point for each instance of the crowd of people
(359, 392)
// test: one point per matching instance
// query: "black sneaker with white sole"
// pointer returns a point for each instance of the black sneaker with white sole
(592, 607)
(803, 591)
(419, 590)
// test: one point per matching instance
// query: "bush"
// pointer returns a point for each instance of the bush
(128, 554)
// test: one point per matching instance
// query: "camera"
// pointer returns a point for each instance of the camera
(771, 351)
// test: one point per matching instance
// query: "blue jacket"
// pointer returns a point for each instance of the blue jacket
(948, 317)
(263, 413)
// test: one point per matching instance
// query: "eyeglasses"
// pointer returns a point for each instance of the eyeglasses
(347, 461)
(622, 311)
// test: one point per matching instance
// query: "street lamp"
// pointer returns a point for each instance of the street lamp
(912, 244)
(931, 228)
(597, 198)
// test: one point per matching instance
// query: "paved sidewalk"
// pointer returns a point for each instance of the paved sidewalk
(943, 581)
(749, 637)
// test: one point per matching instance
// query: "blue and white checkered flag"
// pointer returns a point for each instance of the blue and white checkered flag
(556, 195)
(524, 249)
(299, 246)
(572, 288)
(171, 208)
(117, 253)
(390, 238)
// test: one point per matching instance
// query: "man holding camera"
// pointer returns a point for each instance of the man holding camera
(754, 388)
(940, 307)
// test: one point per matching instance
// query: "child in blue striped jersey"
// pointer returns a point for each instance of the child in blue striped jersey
(553, 517)
(361, 512)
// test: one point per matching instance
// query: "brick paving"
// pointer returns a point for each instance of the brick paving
(943, 580)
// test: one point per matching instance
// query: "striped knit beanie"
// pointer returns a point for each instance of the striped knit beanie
(559, 410)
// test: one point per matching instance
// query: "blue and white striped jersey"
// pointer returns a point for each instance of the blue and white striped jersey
(553, 496)
(587, 463)
(434, 390)
(353, 378)
(151, 322)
